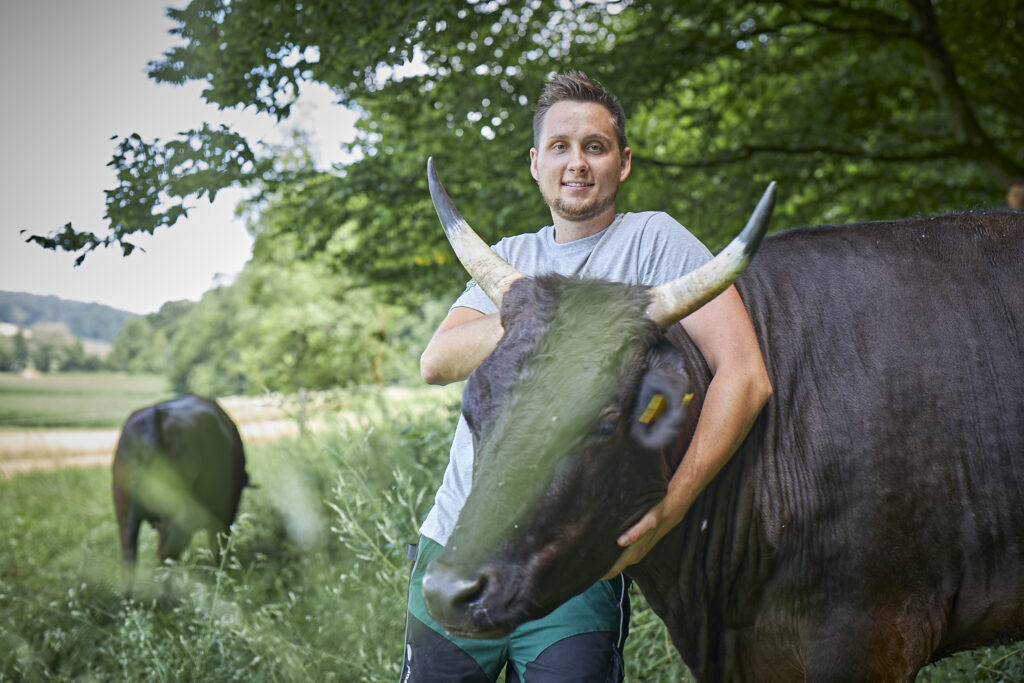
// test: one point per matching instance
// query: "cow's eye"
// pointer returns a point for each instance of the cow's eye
(606, 428)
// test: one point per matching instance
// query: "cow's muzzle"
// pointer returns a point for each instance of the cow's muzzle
(458, 599)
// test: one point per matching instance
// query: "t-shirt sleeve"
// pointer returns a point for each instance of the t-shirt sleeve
(474, 297)
(670, 250)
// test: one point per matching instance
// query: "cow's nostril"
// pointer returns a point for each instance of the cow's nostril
(447, 592)
(467, 602)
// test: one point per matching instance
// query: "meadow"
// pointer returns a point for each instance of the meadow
(312, 583)
(75, 400)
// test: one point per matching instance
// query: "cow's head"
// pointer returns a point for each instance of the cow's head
(571, 415)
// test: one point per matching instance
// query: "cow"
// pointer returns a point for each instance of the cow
(871, 522)
(179, 465)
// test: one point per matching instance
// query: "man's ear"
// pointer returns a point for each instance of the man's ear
(625, 163)
(661, 404)
(533, 163)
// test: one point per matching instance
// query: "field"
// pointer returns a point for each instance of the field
(52, 421)
(75, 400)
(311, 586)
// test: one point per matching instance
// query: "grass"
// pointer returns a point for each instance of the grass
(312, 582)
(312, 585)
(76, 400)
(293, 600)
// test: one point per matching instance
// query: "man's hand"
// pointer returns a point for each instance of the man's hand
(738, 390)
(643, 536)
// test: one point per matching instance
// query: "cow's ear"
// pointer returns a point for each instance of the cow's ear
(661, 405)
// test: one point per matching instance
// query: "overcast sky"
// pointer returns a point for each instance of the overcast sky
(73, 75)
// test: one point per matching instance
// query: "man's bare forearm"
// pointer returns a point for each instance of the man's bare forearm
(457, 349)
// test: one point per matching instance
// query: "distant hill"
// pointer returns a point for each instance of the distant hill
(89, 321)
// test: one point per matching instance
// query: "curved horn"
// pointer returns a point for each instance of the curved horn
(489, 270)
(674, 300)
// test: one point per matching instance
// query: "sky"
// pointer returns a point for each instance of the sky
(73, 76)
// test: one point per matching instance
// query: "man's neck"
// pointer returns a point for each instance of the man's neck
(570, 231)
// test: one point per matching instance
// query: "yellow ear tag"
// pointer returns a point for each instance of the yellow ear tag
(687, 399)
(655, 408)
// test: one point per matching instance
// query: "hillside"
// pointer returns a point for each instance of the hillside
(89, 321)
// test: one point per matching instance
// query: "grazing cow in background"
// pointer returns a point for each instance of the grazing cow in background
(871, 522)
(180, 466)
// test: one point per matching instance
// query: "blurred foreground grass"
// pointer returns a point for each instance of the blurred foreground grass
(312, 586)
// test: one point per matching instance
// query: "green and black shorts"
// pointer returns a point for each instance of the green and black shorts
(581, 640)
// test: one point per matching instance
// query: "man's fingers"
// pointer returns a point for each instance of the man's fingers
(625, 560)
(637, 530)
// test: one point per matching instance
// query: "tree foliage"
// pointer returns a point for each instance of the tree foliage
(154, 182)
(15, 354)
(46, 347)
(287, 323)
(145, 344)
(861, 109)
(301, 324)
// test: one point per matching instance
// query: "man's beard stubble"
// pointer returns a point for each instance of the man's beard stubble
(576, 212)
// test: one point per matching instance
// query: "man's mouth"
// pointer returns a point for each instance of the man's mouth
(572, 184)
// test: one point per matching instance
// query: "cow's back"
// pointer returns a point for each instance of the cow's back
(889, 465)
(206, 449)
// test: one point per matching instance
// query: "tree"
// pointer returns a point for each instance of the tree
(202, 356)
(862, 109)
(145, 344)
(8, 354)
(53, 348)
(301, 325)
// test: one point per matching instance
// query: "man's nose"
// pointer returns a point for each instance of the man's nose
(578, 161)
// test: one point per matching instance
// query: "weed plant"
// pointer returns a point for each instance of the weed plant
(311, 584)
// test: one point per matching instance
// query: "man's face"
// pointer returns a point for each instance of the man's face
(577, 163)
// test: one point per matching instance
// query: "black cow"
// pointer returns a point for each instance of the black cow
(180, 466)
(872, 521)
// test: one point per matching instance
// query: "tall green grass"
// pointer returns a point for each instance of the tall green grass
(311, 585)
(292, 601)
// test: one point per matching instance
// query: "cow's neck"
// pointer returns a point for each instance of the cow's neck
(688, 578)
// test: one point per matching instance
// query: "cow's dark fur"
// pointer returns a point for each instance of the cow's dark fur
(873, 520)
(179, 465)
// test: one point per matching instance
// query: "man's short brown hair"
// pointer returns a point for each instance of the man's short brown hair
(576, 86)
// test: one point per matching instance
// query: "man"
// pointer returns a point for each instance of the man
(579, 158)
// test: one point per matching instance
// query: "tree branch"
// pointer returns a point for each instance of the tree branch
(746, 152)
(960, 112)
(857, 20)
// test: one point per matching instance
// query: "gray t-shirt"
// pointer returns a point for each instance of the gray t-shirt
(637, 248)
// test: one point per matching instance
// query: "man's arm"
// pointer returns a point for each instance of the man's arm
(463, 339)
(739, 389)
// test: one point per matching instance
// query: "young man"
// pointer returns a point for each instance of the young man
(579, 159)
